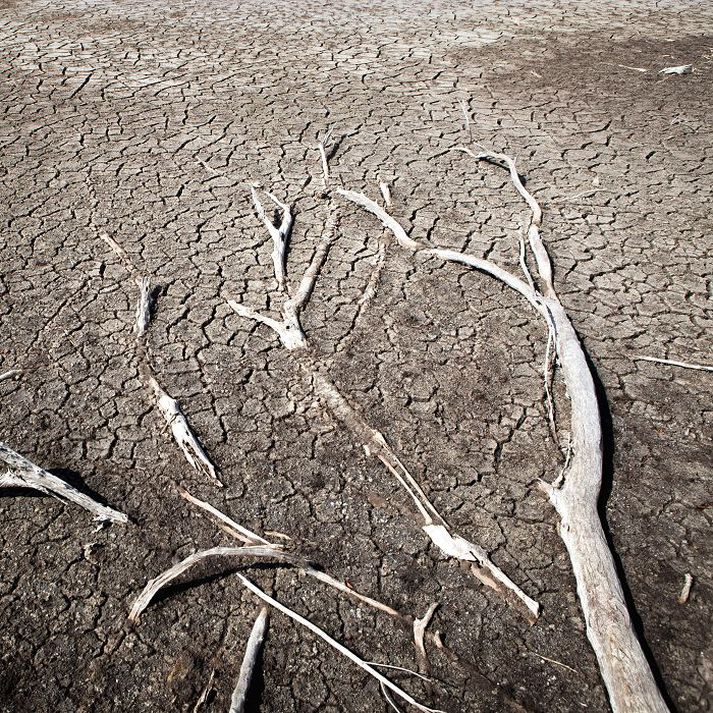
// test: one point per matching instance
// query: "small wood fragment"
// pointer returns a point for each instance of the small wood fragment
(182, 433)
(686, 590)
(680, 69)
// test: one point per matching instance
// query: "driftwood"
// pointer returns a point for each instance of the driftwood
(23, 473)
(625, 670)
(292, 336)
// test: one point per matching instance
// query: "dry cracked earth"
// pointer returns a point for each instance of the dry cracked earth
(149, 121)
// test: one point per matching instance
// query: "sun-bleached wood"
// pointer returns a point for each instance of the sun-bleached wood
(624, 667)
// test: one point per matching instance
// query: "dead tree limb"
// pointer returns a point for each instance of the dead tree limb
(289, 331)
(170, 409)
(23, 473)
(625, 670)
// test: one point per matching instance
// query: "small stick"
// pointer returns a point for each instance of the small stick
(491, 575)
(10, 374)
(466, 118)
(26, 474)
(400, 668)
(686, 591)
(555, 662)
(233, 528)
(143, 306)
(182, 433)
(335, 645)
(386, 193)
(322, 144)
(671, 362)
(118, 250)
(252, 651)
(419, 629)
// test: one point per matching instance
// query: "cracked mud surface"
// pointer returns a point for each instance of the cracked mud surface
(149, 121)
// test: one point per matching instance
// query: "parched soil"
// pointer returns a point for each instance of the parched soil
(149, 121)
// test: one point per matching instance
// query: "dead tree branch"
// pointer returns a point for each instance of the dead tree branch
(575, 495)
(23, 473)
(290, 332)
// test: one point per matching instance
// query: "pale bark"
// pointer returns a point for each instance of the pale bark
(625, 670)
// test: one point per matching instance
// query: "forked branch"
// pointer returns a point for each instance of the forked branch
(575, 494)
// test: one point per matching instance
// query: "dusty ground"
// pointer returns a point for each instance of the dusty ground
(148, 120)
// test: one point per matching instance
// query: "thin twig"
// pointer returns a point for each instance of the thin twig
(322, 144)
(335, 645)
(671, 362)
(236, 530)
(280, 235)
(554, 661)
